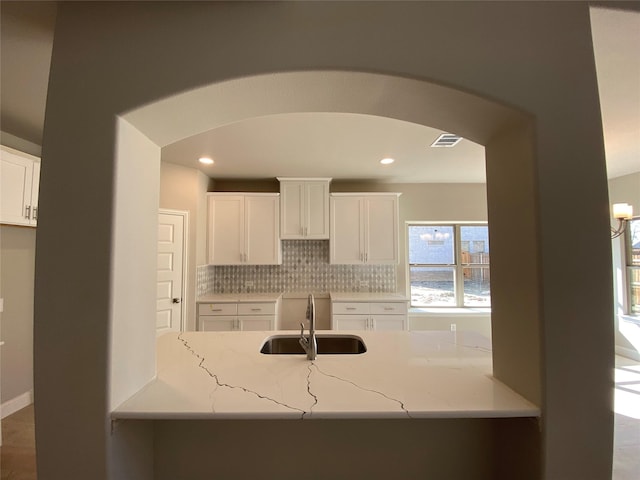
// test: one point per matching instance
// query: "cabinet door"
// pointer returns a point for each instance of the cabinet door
(16, 176)
(35, 193)
(257, 322)
(349, 322)
(292, 210)
(217, 323)
(316, 210)
(389, 322)
(381, 234)
(226, 230)
(262, 227)
(346, 245)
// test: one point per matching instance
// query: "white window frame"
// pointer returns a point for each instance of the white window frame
(458, 266)
(629, 267)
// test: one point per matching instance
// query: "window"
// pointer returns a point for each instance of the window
(449, 265)
(633, 265)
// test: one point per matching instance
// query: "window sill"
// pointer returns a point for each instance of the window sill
(630, 318)
(444, 311)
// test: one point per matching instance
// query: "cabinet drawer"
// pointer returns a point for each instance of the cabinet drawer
(350, 308)
(217, 323)
(256, 309)
(217, 309)
(350, 322)
(257, 322)
(389, 308)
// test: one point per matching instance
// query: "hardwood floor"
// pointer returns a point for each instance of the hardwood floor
(18, 450)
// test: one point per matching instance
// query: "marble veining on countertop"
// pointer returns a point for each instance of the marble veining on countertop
(221, 375)
(239, 297)
(368, 297)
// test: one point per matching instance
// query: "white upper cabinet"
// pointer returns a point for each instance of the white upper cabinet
(244, 229)
(19, 184)
(304, 208)
(364, 228)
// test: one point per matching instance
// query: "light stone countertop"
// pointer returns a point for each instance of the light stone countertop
(427, 374)
(239, 297)
(368, 297)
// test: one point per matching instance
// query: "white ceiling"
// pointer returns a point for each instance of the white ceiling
(335, 145)
(338, 145)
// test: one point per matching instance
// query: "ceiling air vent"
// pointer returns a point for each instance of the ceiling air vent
(446, 140)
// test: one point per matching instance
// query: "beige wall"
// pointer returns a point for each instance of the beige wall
(183, 188)
(17, 267)
(132, 336)
(108, 60)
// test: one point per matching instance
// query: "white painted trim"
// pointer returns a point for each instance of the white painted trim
(18, 403)
(185, 256)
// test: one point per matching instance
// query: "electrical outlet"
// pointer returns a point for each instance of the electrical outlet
(248, 283)
(453, 327)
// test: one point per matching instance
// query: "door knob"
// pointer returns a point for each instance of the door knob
(176, 300)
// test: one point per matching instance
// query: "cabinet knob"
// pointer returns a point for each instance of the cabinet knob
(176, 300)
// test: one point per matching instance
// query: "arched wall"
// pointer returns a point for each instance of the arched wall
(483, 121)
(537, 57)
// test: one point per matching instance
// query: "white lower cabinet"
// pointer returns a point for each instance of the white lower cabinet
(369, 316)
(219, 317)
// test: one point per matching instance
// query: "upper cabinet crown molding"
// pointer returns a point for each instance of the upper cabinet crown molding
(244, 229)
(19, 186)
(304, 208)
(364, 228)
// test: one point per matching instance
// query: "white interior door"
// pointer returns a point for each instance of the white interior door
(171, 271)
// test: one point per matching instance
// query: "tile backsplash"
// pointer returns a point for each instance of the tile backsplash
(305, 268)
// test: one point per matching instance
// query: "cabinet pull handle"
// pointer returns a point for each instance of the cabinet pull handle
(216, 309)
(35, 213)
(351, 308)
(389, 308)
(27, 212)
(256, 309)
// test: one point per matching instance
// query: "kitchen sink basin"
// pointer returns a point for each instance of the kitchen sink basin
(327, 345)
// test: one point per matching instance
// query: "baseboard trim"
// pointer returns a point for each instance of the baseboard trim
(18, 403)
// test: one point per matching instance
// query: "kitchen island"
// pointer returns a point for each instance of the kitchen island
(415, 405)
(223, 375)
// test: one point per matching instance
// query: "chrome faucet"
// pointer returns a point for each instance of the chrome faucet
(309, 343)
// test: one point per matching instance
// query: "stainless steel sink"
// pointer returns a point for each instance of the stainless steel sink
(327, 345)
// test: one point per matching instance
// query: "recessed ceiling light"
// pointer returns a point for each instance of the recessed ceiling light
(446, 140)
(387, 161)
(206, 160)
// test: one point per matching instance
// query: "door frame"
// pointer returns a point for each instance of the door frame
(185, 255)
